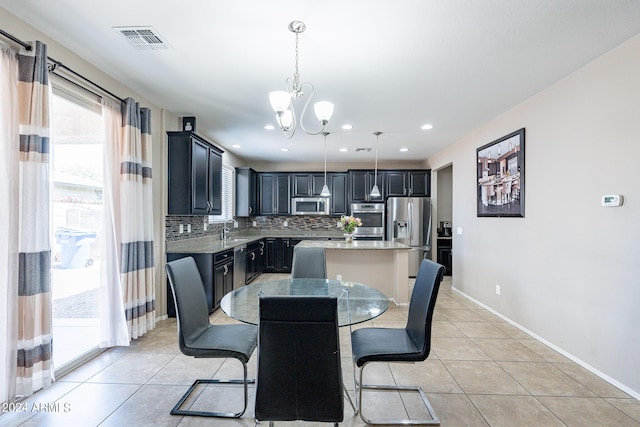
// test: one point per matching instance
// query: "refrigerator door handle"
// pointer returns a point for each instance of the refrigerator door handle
(410, 216)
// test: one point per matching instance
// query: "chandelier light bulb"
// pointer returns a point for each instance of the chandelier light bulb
(324, 111)
(286, 119)
(279, 100)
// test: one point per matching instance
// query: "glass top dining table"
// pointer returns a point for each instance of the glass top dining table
(357, 302)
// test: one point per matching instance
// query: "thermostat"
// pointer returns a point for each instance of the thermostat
(612, 200)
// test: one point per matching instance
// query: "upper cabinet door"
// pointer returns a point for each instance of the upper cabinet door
(361, 183)
(420, 183)
(339, 193)
(302, 184)
(266, 193)
(246, 192)
(396, 183)
(274, 194)
(195, 175)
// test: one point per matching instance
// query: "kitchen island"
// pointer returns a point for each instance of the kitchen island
(383, 265)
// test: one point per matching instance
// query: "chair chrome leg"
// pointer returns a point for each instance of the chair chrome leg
(432, 421)
(177, 411)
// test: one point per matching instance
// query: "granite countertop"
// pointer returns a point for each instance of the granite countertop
(213, 244)
(361, 245)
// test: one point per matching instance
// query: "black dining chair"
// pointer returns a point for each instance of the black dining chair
(308, 263)
(198, 338)
(299, 374)
(409, 344)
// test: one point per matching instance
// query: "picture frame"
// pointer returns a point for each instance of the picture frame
(189, 124)
(500, 176)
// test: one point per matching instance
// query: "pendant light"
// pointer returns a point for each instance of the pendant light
(375, 192)
(325, 190)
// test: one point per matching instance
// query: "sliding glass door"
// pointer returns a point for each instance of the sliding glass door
(77, 217)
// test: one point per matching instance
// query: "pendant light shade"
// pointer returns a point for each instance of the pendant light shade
(325, 189)
(375, 191)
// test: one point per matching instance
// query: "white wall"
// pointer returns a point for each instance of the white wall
(569, 270)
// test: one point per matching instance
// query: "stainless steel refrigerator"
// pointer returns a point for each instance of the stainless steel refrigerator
(409, 222)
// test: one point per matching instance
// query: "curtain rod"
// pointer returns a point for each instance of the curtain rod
(55, 64)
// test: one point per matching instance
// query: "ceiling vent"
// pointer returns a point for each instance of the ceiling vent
(367, 149)
(143, 38)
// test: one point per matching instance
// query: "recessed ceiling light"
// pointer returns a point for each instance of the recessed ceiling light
(269, 127)
(344, 150)
(235, 146)
(404, 149)
(347, 127)
(427, 126)
(284, 149)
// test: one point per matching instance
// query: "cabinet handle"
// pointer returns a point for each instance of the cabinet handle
(253, 256)
(250, 210)
(226, 270)
(261, 251)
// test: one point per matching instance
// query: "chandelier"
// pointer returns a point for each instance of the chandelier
(282, 101)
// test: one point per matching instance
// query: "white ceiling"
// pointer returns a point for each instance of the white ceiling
(388, 65)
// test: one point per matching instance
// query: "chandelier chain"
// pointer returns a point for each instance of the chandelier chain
(296, 74)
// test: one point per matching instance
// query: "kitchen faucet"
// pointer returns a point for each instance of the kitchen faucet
(226, 230)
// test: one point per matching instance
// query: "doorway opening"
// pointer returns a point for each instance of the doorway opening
(444, 241)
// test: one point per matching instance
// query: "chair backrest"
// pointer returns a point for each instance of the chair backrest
(299, 373)
(192, 313)
(422, 304)
(309, 263)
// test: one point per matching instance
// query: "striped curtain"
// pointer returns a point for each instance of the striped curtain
(9, 208)
(35, 370)
(130, 219)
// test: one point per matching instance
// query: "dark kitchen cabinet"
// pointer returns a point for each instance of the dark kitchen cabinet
(274, 195)
(307, 184)
(246, 192)
(408, 183)
(205, 263)
(361, 182)
(279, 254)
(195, 175)
(445, 255)
(338, 185)
(255, 260)
(222, 275)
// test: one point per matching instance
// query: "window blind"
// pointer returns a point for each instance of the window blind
(227, 194)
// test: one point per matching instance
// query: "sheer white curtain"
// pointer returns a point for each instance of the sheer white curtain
(128, 213)
(25, 247)
(113, 326)
(9, 149)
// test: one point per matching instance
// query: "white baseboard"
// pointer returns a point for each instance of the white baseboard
(613, 382)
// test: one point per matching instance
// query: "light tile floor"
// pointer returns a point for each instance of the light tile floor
(482, 371)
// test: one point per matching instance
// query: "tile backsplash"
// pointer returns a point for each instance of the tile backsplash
(314, 224)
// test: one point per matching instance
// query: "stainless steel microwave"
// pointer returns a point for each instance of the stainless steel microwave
(310, 206)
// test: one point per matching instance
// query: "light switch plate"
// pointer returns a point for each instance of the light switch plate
(459, 231)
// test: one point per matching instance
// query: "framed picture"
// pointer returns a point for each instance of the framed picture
(500, 176)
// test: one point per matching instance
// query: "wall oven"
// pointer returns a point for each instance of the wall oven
(310, 206)
(372, 216)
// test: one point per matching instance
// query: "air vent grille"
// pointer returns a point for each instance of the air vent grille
(143, 38)
(367, 149)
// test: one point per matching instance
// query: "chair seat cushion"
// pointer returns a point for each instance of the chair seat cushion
(236, 341)
(384, 345)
